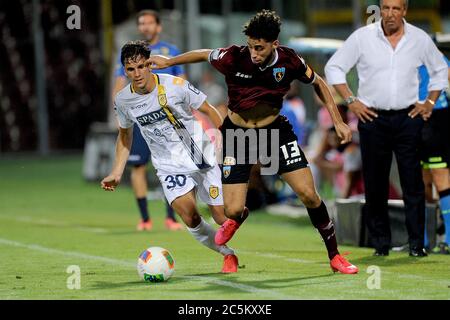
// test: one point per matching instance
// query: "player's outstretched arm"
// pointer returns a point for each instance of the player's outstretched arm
(123, 146)
(161, 62)
(321, 88)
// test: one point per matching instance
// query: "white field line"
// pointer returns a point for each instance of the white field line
(54, 223)
(28, 219)
(265, 293)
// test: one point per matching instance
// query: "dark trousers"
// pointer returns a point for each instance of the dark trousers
(392, 132)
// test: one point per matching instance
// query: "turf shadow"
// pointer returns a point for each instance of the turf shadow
(103, 285)
(391, 261)
(267, 284)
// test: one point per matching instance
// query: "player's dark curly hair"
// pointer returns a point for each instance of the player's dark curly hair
(132, 50)
(264, 25)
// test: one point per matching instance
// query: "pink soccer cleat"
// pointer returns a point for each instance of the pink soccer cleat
(340, 264)
(144, 225)
(228, 228)
(173, 225)
(230, 264)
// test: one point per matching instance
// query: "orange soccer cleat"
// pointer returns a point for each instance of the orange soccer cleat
(144, 225)
(230, 264)
(228, 228)
(173, 225)
(340, 264)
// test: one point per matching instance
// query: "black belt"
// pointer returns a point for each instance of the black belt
(392, 112)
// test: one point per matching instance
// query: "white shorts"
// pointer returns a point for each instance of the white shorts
(207, 184)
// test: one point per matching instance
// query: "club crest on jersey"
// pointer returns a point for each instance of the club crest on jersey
(213, 191)
(226, 171)
(164, 51)
(278, 73)
(162, 99)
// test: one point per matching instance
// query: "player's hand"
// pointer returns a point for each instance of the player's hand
(362, 111)
(157, 62)
(110, 182)
(422, 109)
(344, 132)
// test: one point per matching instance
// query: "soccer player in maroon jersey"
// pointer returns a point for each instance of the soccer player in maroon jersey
(258, 75)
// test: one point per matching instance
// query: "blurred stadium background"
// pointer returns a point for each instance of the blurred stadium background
(55, 82)
(57, 131)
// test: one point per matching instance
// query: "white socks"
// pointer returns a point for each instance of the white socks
(205, 234)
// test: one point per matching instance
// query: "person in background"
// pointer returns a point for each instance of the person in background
(294, 110)
(340, 164)
(435, 155)
(391, 117)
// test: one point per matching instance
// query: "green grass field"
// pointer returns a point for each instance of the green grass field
(51, 219)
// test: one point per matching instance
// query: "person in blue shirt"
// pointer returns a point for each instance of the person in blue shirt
(149, 26)
(435, 155)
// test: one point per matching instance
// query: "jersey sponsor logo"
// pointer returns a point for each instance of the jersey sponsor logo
(213, 191)
(229, 161)
(161, 135)
(289, 162)
(278, 73)
(139, 106)
(245, 76)
(151, 117)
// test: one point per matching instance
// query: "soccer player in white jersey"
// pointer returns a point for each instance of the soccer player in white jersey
(180, 150)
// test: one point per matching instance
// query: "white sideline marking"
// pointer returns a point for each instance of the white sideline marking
(242, 287)
(46, 222)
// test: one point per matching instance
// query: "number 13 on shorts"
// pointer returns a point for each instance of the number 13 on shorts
(291, 150)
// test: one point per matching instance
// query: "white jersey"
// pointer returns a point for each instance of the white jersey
(169, 153)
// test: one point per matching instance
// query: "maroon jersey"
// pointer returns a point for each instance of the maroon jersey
(249, 85)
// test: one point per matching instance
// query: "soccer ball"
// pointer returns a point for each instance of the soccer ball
(155, 264)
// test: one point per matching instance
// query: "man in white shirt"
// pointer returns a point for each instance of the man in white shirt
(160, 105)
(387, 54)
